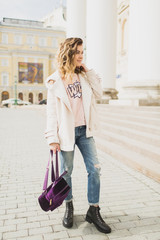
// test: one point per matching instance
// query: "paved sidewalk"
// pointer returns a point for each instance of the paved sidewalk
(130, 202)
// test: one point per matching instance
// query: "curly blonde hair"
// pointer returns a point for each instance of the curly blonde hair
(65, 58)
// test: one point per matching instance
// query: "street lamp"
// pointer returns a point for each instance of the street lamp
(15, 89)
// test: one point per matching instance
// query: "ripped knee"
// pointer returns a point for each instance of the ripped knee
(97, 168)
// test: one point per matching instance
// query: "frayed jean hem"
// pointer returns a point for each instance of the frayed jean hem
(93, 204)
(70, 200)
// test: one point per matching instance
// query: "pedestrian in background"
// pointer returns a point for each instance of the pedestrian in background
(71, 120)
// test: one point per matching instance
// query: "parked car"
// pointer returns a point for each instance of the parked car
(44, 101)
(11, 101)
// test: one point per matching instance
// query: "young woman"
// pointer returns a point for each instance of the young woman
(71, 120)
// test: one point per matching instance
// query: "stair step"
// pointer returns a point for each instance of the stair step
(124, 116)
(151, 115)
(137, 126)
(133, 134)
(134, 145)
(139, 109)
(131, 158)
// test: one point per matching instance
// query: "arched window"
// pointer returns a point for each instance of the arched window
(30, 97)
(20, 95)
(5, 95)
(40, 96)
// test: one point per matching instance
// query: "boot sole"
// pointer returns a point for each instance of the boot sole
(88, 219)
(68, 226)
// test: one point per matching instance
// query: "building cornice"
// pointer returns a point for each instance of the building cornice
(22, 53)
(36, 32)
(22, 88)
(28, 24)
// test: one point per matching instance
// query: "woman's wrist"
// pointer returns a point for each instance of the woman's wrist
(55, 147)
(85, 68)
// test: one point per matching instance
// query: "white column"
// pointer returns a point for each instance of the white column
(101, 39)
(76, 18)
(144, 48)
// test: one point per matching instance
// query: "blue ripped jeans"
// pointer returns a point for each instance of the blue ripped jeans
(88, 150)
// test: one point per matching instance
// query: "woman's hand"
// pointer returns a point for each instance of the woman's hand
(85, 68)
(55, 147)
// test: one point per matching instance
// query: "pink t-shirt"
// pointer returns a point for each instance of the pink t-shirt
(74, 92)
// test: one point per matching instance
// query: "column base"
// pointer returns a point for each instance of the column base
(108, 94)
(140, 95)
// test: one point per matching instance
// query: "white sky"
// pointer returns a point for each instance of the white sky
(27, 9)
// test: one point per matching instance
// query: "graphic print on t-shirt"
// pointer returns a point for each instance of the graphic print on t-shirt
(74, 90)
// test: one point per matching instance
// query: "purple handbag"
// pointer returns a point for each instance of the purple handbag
(54, 195)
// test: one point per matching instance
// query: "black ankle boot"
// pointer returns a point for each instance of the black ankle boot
(93, 216)
(68, 216)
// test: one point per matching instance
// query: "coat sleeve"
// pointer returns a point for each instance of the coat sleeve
(51, 132)
(95, 83)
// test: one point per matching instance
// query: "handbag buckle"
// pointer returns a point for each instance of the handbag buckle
(50, 202)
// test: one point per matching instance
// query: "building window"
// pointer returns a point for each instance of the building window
(20, 95)
(40, 97)
(30, 97)
(4, 62)
(5, 38)
(18, 39)
(42, 42)
(5, 79)
(5, 95)
(54, 43)
(30, 40)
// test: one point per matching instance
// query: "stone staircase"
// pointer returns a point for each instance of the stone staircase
(131, 135)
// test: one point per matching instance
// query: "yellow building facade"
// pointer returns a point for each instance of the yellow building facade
(27, 57)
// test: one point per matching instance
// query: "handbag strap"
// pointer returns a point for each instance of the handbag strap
(52, 166)
(57, 169)
(52, 170)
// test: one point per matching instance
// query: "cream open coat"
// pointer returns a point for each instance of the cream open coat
(60, 120)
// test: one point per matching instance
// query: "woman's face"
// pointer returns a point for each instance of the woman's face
(78, 58)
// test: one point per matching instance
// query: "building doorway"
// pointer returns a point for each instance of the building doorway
(5, 95)
(20, 95)
(31, 97)
(40, 97)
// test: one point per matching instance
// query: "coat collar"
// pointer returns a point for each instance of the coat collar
(61, 93)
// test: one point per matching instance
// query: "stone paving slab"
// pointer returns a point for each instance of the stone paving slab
(130, 202)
